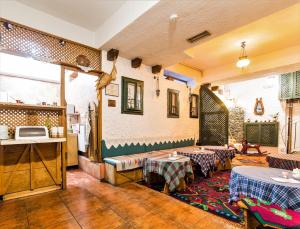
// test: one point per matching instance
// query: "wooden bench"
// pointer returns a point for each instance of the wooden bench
(120, 177)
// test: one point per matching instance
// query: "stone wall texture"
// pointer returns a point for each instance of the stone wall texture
(236, 123)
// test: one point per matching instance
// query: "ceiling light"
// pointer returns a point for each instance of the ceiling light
(243, 59)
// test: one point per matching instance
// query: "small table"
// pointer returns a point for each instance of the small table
(284, 161)
(204, 158)
(174, 171)
(224, 154)
(256, 182)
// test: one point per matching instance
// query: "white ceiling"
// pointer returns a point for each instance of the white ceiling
(89, 14)
(263, 36)
(153, 38)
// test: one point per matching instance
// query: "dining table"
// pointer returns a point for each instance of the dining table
(173, 168)
(224, 153)
(206, 159)
(265, 184)
(284, 161)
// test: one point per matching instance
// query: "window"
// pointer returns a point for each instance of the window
(194, 106)
(173, 103)
(132, 96)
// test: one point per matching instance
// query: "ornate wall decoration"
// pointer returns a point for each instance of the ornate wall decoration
(22, 40)
(259, 108)
(105, 79)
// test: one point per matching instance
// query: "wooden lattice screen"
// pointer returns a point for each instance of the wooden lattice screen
(213, 119)
(25, 41)
(28, 117)
(290, 85)
(264, 133)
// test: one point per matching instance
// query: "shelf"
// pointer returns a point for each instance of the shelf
(30, 141)
(20, 106)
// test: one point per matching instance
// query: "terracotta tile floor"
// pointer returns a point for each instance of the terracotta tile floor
(88, 203)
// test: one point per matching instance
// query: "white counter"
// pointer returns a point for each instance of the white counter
(30, 141)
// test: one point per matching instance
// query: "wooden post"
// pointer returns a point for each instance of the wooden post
(1, 169)
(30, 161)
(290, 126)
(64, 124)
(100, 127)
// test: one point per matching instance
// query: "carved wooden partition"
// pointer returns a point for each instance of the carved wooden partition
(213, 119)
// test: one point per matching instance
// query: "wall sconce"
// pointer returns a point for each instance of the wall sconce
(157, 85)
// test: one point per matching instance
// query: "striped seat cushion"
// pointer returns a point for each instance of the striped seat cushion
(133, 161)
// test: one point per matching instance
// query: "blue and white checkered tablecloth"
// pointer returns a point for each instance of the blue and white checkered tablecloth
(171, 170)
(256, 182)
(222, 152)
(204, 158)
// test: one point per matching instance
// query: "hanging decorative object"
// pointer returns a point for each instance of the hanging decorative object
(259, 107)
(104, 79)
(243, 61)
(83, 63)
(157, 85)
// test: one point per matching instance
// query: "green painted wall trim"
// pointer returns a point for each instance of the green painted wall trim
(129, 149)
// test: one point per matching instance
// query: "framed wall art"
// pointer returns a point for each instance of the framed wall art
(112, 90)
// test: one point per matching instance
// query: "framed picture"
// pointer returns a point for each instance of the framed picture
(112, 90)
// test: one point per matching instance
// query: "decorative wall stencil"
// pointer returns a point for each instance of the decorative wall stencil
(25, 41)
(213, 119)
(133, 148)
(259, 108)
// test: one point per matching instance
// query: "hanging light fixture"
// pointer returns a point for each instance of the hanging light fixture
(243, 59)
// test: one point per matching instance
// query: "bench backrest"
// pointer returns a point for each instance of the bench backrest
(131, 148)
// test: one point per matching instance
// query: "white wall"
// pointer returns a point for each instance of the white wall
(244, 94)
(81, 91)
(29, 91)
(154, 123)
(31, 81)
(20, 13)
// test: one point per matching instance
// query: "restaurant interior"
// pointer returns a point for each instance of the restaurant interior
(149, 114)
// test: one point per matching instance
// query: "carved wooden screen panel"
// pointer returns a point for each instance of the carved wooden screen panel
(213, 119)
(22, 40)
(263, 133)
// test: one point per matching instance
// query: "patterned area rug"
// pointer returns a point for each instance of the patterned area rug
(212, 195)
(208, 194)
